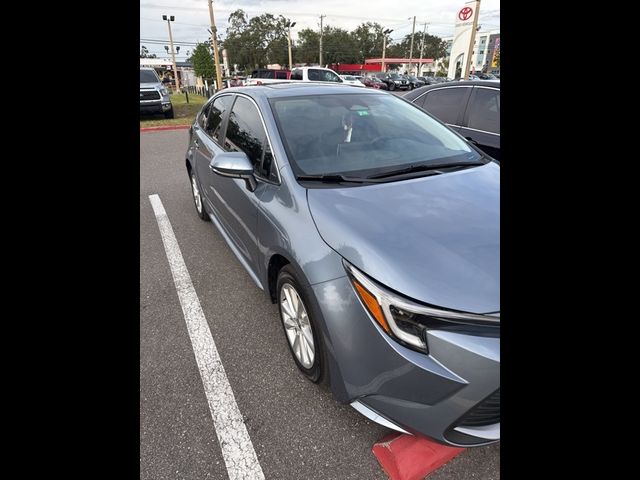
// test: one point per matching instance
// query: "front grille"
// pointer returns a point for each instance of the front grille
(149, 95)
(486, 412)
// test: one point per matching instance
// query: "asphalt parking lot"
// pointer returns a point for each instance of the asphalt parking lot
(297, 429)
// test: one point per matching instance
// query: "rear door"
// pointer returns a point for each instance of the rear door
(447, 104)
(481, 122)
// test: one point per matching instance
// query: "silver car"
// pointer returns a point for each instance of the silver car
(376, 230)
(154, 97)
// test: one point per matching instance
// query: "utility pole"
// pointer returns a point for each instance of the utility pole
(289, 25)
(472, 41)
(422, 48)
(173, 53)
(384, 45)
(411, 50)
(215, 46)
(321, 33)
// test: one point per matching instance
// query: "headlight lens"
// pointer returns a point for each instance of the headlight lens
(163, 91)
(407, 321)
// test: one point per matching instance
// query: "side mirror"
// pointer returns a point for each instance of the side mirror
(234, 165)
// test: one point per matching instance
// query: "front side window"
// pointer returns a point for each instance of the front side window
(362, 134)
(484, 111)
(445, 103)
(214, 118)
(245, 133)
(296, 75)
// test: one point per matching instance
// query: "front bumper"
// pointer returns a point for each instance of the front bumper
(432, 394)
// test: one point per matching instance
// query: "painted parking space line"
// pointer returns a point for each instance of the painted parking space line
(237, 450)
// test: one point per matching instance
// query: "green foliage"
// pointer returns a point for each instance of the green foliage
(257, 42)
(202, 60)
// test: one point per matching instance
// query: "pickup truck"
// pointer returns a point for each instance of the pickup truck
(300, 74)
(259, 77)
(154, 97)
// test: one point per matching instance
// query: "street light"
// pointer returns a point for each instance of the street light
(384, 44)
(173, 53)
(289, 25)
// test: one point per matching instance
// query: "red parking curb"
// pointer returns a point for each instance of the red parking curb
(166, 127)
(405, 457)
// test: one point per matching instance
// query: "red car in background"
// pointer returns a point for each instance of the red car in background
(373, 82)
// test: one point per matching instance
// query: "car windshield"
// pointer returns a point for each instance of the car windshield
(394, 75)
(148, 76)
(362, 134)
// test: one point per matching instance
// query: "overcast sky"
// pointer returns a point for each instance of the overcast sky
(192, 17)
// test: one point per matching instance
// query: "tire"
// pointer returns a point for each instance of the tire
(298, 328)
(169, 113)
(197, 198)
(392, 86)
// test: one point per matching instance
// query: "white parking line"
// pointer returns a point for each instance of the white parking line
(237, 449)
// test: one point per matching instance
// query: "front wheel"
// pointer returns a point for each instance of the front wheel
(300, 327)
(392, 86)
(169, 113)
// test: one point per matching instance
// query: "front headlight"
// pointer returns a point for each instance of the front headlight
(408, 322)
(163, 91)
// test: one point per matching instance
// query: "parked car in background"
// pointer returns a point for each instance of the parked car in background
(427, 80)
(487, 76)
(351, 80)
(393, 80)
(154, 96)
(263, 76)
(374, 82)
(320, 192)
(315, 74)
(414, 82)
(470, 108)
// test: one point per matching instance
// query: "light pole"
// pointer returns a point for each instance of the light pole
(424, 32)
(384, 45)
(411, 49)
(173, 53)
(215, 46)
(289, 25)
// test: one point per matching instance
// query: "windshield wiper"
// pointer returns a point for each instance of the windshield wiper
(331, 178)
(425, 168)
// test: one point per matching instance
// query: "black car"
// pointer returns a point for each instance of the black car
(427, 80)
(393, 81)
(470, 108)
(414, 82)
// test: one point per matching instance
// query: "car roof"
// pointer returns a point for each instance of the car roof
(286, 89)
(413, 94)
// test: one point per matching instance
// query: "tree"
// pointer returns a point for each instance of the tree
(144, 53)
(202, 60)
(257, 42)
(496, 56)
(443, 68)
(368, 39)
(308, 48)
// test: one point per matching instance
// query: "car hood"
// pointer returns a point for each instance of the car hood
(150, 85)
(435, 239)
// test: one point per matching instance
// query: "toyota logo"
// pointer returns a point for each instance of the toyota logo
(465, 13)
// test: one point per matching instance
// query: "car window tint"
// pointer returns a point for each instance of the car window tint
(202, 121)
(245, 132)
(445, 103)
(281, 75)
(484, 111)
(214, 119)
(296, 75)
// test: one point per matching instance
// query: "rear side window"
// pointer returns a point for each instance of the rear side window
(445, 103)
(281, 75)
(322, 75)
(246, 133)
(296, 75)
(214, 118)
(484, 111)
(202, 121)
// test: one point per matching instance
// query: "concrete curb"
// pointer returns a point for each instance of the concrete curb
(405, 457)
(165, 127)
